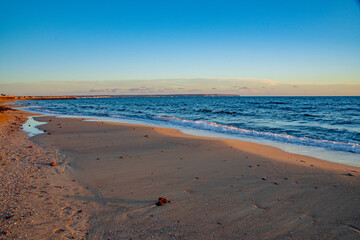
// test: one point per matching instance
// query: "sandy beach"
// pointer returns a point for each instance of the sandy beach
(35, 198)
(109, 177)
(180, 120)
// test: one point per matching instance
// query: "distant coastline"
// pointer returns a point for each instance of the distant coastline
(161, 95)
(112, 96)
(13, 98)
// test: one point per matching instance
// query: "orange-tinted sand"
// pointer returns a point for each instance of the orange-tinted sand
(219, 189)
(216, 187)
(36, 200)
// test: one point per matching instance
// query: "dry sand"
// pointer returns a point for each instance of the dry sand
(36, 199)
(219, 189)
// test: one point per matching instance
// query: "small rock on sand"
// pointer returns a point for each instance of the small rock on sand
(161, 201)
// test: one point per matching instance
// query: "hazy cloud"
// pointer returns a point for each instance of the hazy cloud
(96, 90)
(140, 89)
(116, 90)
(244, 87)
(107, 90)
(248, 90)
(194, 90)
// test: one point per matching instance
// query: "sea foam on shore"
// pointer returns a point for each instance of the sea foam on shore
(328, 123)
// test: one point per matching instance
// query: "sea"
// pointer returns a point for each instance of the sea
(324, 127)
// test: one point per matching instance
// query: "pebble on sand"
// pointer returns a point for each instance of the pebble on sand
(53, 164)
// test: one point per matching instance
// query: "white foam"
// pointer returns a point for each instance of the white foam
(218, 128)
(339, 152)
(30, 127)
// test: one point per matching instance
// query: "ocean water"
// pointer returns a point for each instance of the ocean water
(331, 124)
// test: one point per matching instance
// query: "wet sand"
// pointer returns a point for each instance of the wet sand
(219, 189)
(109, 176)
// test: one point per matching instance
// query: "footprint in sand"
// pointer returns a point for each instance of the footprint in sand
(59, 231)
(66, 210)
(69, 211)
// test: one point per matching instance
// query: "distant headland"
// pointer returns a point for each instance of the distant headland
(7, 97)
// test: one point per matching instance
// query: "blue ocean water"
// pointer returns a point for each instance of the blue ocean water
(331, 123)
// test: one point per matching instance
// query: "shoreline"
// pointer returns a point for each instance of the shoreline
(262, 150)
(334, 156)
(218, 188)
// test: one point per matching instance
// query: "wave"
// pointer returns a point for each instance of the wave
(218, 128)
(211, 126)
(309, 115)
(204, 110)
(215, 111)
(276, 102)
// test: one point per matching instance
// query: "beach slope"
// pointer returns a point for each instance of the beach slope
(219, 189)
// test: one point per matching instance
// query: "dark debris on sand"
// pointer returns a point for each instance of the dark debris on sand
(161, 201)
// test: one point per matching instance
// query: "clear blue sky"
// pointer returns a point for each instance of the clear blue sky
(308, 41)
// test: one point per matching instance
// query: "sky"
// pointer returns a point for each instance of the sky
(259, 47)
